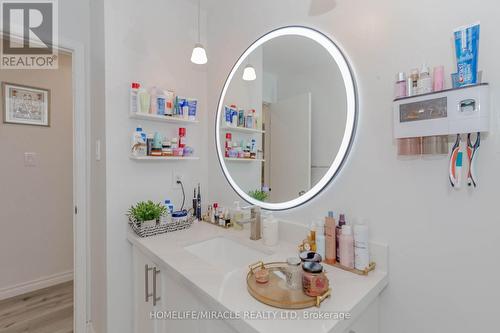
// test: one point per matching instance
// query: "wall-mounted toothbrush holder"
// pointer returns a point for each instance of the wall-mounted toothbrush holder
(447, 112)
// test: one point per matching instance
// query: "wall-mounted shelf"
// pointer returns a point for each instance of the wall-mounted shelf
(232, 159)
(159, 118)
(163, 158)
(242, 130)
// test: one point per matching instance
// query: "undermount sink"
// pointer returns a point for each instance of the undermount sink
(226, 253)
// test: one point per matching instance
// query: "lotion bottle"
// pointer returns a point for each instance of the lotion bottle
(330, 241)
(320, 239)
(361, 249)
(347, 247)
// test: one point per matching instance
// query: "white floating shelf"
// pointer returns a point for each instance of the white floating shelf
(163, 158)
(242, 130)
(159, 118)
(232, 159)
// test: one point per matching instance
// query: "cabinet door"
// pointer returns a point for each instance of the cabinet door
(368, 322)
(177, 300)
(143, 289)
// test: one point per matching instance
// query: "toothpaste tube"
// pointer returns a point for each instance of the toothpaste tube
(467, 48)
(192, 108)
(228, 115)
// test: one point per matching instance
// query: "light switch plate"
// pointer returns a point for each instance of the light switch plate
(29, 159)
(98, 150)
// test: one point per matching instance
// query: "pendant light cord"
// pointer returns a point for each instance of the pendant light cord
(199, 14)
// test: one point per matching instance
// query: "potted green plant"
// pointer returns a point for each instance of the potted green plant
(146, 213)
(258, 195)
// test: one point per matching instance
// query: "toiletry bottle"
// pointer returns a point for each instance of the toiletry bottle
(144, 100)
(338, 231)
(438, 78)
(269, 229)
(413, 83)
(169, 103)
(182, 137)
(134, 100)
(311, 238)
(424, 80)
(138, 143)
(320, 239)
(346, 247)
(228, 115)
(149, 144)
(400, 86)
(249, 119)
(361, 249)
(228, 144)
(153, 105)
(330, 241)
(241, 118)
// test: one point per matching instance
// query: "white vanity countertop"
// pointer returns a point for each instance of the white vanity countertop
(225, 290)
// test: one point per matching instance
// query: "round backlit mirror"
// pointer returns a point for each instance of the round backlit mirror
(286, 118)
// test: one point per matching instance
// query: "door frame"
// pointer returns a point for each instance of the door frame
(81, 179)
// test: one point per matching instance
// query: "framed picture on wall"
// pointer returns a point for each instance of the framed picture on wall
(25, 105)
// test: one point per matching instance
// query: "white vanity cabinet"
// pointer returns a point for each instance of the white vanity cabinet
(173, 298)
(368, 321)
(147, 293)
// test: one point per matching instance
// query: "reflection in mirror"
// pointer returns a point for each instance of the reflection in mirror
(281, 128)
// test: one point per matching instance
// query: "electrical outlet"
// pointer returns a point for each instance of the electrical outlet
(30, 159)
(176, 176)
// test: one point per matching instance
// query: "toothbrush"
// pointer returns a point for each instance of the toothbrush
(471, 154)
(458, 169)
(455, 152)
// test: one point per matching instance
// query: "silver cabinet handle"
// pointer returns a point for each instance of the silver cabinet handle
(146, 282)
(155, 272)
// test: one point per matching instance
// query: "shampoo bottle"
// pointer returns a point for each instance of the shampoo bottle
(361, 250)
(346, 247)
(330, 242)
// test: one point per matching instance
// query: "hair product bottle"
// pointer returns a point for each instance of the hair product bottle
(338, 231)
(346, 247)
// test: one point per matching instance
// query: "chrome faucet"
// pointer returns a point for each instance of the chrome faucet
(255, 222)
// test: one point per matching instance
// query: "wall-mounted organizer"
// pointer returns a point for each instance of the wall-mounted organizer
(423, 123)
(446, 112)
(162, 106)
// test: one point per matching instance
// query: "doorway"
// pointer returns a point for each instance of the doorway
(40, 188)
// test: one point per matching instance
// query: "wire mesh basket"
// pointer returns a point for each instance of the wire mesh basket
(146, 230)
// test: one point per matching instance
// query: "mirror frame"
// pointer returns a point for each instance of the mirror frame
(351, 119)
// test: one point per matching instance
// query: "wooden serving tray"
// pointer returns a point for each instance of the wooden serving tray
(276, 293)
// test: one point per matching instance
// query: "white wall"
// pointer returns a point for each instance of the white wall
(443, 276)
(97, 250)
(37, 202)
(149, 43)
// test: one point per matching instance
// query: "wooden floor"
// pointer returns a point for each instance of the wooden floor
(48, 310)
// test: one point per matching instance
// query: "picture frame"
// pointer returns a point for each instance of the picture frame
(25, 105)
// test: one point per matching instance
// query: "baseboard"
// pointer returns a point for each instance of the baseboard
(30, 286)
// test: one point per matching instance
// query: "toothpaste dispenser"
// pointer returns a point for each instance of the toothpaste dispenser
(447, 112)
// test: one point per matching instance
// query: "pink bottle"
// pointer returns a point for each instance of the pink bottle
(346, 247)
(438, 78)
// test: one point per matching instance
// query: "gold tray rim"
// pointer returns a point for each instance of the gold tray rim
(312, 301)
